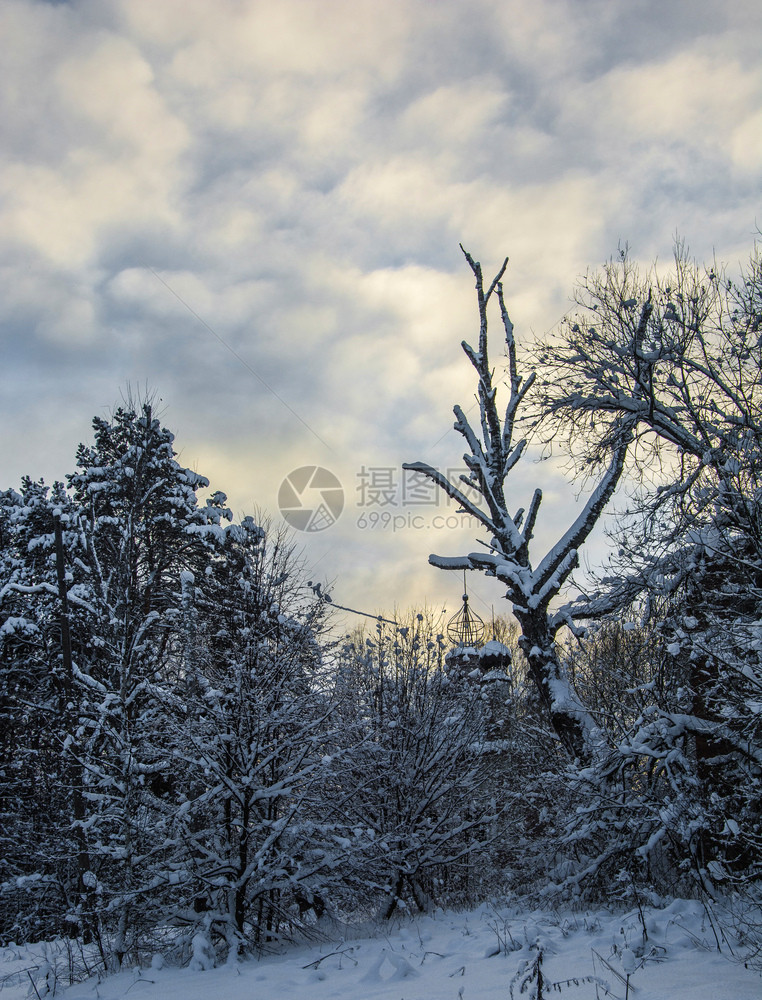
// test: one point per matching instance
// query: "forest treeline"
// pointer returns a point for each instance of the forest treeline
(191, 764)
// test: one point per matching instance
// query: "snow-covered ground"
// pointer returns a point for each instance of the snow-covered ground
(449, 956)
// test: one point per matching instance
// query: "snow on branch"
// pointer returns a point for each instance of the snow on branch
(587, 519)
(489, 460)
(452, 491)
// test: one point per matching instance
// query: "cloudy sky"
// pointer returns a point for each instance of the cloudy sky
(253, 208)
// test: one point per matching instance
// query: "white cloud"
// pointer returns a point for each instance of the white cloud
(695, 96)
(746, 146)
(99, 150)
(300, 175)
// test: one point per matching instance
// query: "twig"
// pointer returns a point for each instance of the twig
(611, 968)
(431, 953)
(34, 985)
(342, 954)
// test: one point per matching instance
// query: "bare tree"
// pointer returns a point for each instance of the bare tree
(531, 588)
(415, 781)
(249, 839)
(678, 353)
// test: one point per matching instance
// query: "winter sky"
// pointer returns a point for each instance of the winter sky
(253, 207)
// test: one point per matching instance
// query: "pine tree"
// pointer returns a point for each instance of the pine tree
(41, 892)
(141, 528)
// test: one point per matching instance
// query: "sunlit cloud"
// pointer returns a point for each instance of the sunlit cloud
(254, 210)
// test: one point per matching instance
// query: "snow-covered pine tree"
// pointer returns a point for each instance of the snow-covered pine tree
(43, 779)
(141, 528)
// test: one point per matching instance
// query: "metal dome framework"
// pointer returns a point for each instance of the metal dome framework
(466, 628)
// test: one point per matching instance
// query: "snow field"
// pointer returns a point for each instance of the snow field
(450, 956)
